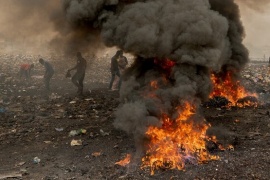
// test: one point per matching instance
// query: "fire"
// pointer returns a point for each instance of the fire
(220, 146)
(154, 84)
(231, 90)
(178, 141)
(125, 161)
(166, 64)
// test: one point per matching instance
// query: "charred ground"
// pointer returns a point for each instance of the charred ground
(36, 125)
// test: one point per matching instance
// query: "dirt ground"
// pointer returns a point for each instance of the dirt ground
(33, 124)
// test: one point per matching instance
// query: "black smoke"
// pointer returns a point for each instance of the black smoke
(198, 36)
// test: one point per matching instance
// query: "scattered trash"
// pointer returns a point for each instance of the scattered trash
(11, 175)
(36, 160)
(47, 142)
(59, 129)
(96, 154)
(20, 164)
(124, 161)
(24, 171)
(103, 133)
(76, 142)
(72, 102)
(77, 132)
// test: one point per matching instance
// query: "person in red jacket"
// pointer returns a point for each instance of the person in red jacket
(25, 70)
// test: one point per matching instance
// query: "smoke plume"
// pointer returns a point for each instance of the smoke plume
(195, 37)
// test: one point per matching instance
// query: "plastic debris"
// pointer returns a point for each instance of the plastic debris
(77, 132)
(104, 133)
(76, 142)
(96, 154)
(36, 160)
(59, 129)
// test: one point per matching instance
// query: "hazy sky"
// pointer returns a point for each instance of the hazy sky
(257, 26)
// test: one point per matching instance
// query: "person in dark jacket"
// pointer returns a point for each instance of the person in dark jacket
(115, 68)
(78, 77)
(49, 71)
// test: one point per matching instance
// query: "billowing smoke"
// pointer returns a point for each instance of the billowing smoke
(178, 43)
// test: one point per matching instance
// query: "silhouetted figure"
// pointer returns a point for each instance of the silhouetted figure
(78, 77)
(25, 70)
(115, 67)
(49, 71)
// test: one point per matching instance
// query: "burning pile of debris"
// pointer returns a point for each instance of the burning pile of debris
(183, 47)
(228, 92)
(186, 51)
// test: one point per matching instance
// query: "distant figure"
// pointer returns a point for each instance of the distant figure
(49, 71)
(25, 70)
(78, 77)
(115, 68)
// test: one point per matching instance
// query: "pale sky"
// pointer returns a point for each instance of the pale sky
(257, 27)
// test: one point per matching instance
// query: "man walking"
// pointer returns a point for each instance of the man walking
(78, 77)
(49, 71)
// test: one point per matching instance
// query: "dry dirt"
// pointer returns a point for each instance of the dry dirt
(35, 125)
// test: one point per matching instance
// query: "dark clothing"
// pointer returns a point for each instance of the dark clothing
(77, 80)
(78, 77)
(118, 65)
(47, 79)
(114, 64)
(49, 71)
(114, 70)
(123, 62)
(81, 65)
(48, 68)
(113, 73)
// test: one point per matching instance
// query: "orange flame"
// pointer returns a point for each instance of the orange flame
(231, 90)
(154, 84)
(177, 142)
(220, 146)
(166, 64)
(124, 161)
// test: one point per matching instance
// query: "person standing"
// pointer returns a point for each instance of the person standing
(49, 71)
(115, 69)
(78, 77)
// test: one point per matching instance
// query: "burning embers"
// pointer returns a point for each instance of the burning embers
(224, 86)
(178, 141)
(124, 161)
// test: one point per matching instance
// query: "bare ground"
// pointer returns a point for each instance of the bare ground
(35, 125)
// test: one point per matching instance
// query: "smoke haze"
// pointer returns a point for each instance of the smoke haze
(26, 25)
